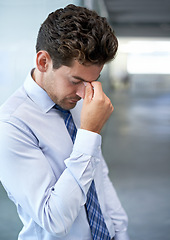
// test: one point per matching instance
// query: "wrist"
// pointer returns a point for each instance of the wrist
(90, 129)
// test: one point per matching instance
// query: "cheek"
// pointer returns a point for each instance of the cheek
(68, 88)
(61, 87)
(64, 90)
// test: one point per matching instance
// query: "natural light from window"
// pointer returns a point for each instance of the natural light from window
(147, 57)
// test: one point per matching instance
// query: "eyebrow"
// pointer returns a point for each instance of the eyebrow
(81, 79)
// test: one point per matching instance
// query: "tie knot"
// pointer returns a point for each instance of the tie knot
(62, 110)
(64, 113)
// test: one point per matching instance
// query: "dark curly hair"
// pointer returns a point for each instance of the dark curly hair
(77, 33)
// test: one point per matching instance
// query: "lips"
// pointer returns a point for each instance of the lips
(74, 100)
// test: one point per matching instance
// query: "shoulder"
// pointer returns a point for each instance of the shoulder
(12, 105)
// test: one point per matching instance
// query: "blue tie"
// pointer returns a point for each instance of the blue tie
(95, 217)
(68, 119)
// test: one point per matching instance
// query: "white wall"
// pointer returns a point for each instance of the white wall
(19, 24)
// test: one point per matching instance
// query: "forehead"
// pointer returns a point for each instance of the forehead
(85, 72)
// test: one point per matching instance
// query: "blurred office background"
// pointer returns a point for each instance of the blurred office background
(136, 139)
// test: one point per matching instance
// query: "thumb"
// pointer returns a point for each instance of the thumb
(88, 92)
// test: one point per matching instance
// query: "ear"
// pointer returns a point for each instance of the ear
(43, 60)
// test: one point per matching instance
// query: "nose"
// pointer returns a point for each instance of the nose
(81, 90)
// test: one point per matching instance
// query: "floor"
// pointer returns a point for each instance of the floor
(136, 146)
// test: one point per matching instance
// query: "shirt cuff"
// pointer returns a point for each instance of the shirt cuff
(88, 142)
(121, 236)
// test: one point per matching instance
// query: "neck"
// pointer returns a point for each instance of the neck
(36, 76)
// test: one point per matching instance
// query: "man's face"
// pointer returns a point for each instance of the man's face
(65, 85)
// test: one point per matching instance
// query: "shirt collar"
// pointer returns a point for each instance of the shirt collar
(37, 94)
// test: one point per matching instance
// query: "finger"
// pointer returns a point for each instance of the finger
(97, 88)
(88, 92)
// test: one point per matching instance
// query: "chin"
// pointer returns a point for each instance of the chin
(68, 106)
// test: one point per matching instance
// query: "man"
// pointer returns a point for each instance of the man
(52, 173)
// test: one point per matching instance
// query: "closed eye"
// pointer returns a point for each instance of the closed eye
(76, 83)
(82, 80)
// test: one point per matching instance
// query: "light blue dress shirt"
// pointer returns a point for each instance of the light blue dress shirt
(46, 176)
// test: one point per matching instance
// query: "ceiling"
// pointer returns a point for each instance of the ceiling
(145, 18)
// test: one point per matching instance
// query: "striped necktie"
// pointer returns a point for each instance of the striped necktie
(68, 119)
(95, 217)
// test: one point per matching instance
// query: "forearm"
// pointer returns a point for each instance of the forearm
(69, 193)
(52, 202)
